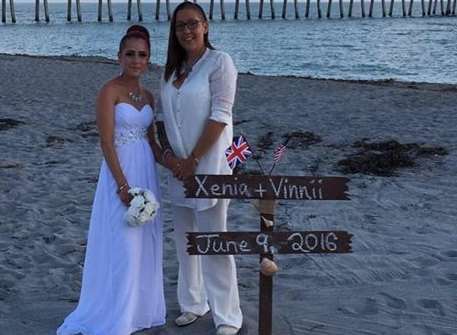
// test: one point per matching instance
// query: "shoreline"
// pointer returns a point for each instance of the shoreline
(429, 86)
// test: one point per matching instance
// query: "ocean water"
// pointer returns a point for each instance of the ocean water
(408, 49)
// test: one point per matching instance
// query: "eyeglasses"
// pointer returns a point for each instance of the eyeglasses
(191, 25)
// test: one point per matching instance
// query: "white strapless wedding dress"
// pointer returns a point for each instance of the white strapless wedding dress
(122, 286)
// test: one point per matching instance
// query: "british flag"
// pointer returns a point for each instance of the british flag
(238, 152)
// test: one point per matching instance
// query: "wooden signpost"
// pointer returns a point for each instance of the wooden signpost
(267, 242)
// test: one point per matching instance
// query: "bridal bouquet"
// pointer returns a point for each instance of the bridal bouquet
(143, 207)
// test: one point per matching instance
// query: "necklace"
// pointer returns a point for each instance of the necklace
(187, 68)
(135, 97)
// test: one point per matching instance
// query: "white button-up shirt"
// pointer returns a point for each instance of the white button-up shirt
(206, 94)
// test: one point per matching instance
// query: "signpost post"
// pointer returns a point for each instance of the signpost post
(267, 242)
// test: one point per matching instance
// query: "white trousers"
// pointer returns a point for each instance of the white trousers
(208, 279)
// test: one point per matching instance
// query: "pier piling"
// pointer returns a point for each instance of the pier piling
(329, 8)
(237, 6)
(383, 5)
(157, 10)
(370, 11)
(4, 11)
(211, 9)
(248, 10)
(78, 10)
(223, 10)
(319, 14)
(351, 4)
(307, 8)
(260, 9)
(12, 11)
(403, 6)
(391, 8)
(272, 8)
(423, 7)
(410, 10)
(362, 7)
(284, 9)
(341, 9)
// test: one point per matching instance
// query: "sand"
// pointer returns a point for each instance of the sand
(400, 279)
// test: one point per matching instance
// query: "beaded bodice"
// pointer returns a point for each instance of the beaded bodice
(131, 124)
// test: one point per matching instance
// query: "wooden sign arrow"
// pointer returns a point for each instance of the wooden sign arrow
(266, 187)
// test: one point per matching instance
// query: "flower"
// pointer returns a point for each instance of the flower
(142, 208)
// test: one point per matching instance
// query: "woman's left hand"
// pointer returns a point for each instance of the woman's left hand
(186, 168)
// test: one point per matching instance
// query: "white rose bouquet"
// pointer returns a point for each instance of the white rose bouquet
(143, 207)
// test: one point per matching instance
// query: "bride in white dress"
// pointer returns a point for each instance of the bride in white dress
(122, 286)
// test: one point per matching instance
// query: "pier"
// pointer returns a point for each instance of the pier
(301, 10)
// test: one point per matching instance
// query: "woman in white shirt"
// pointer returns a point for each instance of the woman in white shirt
(197, 95)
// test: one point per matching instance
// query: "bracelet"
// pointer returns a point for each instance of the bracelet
(165, 153)
(196, 160)
(122, 187)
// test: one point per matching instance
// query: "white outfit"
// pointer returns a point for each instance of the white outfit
(122, 286)
(206, 94)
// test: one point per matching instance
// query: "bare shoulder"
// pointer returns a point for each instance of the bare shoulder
(108, 94)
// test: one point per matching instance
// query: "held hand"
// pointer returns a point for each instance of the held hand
(186, 168)
(171, 163)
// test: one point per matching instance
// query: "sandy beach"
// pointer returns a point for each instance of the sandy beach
(400, 279)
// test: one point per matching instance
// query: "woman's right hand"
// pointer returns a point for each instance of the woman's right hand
(125, 196)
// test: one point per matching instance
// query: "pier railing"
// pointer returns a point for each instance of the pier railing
(427, 7)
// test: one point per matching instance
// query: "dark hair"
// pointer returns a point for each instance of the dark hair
(135, 31)
(176, 53)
